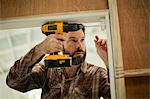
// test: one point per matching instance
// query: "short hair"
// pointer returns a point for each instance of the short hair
(75, 26)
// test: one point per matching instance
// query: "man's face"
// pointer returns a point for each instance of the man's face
(75, 46)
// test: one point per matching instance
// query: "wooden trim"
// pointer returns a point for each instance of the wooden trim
(116, 52)
(110, 63)
(137, 72)
(37, 21)
(17, 8)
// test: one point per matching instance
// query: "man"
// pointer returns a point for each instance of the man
(80, 81)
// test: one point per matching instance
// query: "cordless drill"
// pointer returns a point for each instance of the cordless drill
(58, 59)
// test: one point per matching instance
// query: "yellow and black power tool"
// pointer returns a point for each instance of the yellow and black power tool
(58, 59)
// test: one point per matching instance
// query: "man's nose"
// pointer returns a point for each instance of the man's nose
(79, 45)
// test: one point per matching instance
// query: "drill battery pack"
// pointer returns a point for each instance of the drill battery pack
(52, 61)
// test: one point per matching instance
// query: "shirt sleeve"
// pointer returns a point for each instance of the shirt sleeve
(104, 84)
(20, 76)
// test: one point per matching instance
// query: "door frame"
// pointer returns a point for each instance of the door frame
(114, 46)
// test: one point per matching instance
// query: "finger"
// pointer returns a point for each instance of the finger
(106, 45)
(39, 66)
(98, 41)
(103, 42)
(96, 38)
(56, 36)
(59, 42)
(59, 47)
(55, 42)
(60, 37)
(98, 45)
(42, 69)
(50, 36)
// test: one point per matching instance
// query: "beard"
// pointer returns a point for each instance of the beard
(78, 56)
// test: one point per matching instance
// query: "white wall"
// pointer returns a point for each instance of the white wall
(6, 92)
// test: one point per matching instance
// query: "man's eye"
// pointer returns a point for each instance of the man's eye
(74, 40)
(82, 40)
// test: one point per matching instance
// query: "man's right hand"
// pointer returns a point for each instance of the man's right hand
(52, 43)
